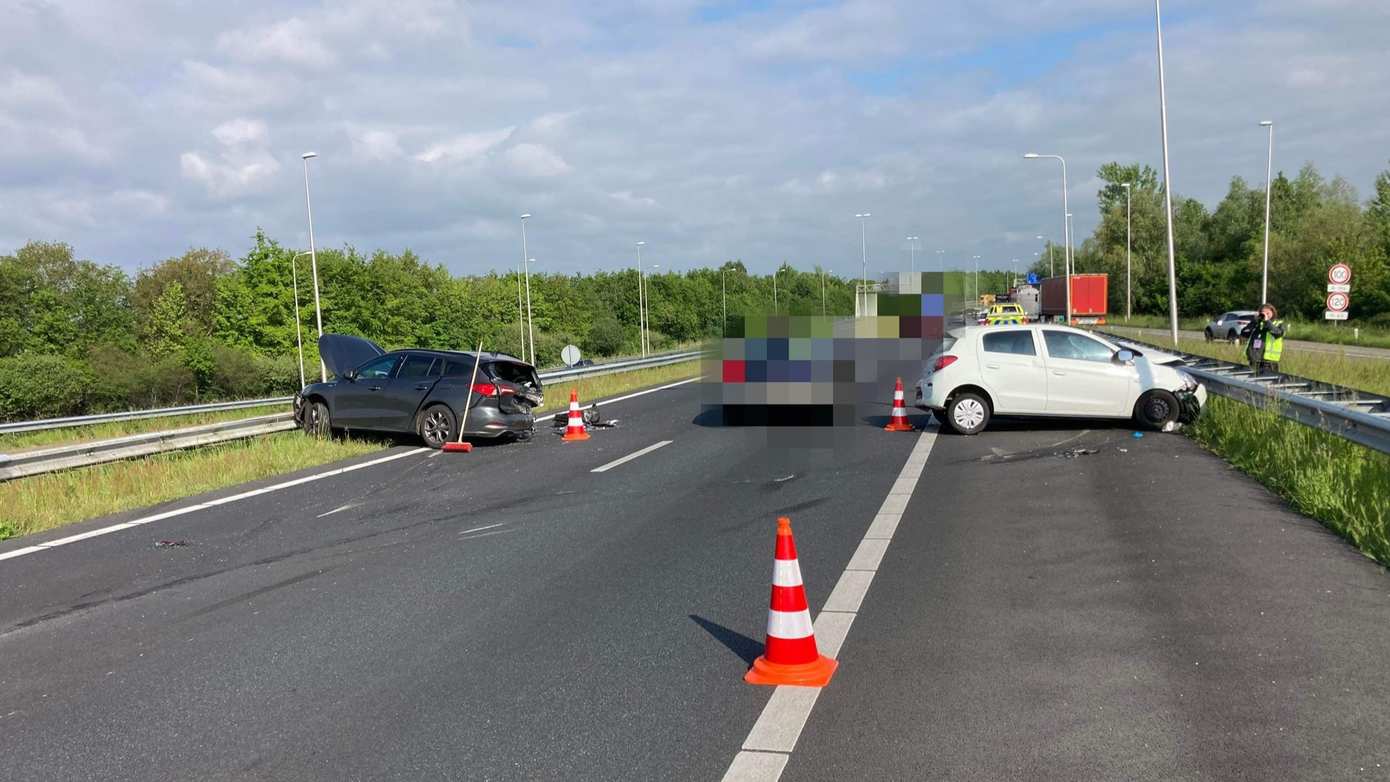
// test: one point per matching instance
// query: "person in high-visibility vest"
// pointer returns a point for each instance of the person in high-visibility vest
(1266, 344)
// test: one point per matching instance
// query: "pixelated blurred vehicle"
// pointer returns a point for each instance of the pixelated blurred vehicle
(419, 391)
(1045, 370)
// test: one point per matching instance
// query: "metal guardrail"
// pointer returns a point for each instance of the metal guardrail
(14, 427)
(1358, 416)
(42, 460)
(62, 457)
(133, 415)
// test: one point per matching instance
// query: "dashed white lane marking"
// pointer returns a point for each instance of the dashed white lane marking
(631, 456)
(480, 529)
(20, 552)
(769, 745)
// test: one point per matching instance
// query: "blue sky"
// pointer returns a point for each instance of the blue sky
(709, 129)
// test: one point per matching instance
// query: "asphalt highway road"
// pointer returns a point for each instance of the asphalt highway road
(509, 614)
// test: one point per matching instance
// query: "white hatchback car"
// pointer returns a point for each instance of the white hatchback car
(1042, 370)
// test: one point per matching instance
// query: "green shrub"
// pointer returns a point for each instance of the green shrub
(607, 337)
(39, 385)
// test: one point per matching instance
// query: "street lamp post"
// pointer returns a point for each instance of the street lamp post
(1269, 183)
(977, 279)
(912, 251)
(298, 336)
(1129, 251)
(641, 303)
(1073, 248)
(526, 261)
(822, 290)
(313, 258)
(1066, 225)
(723, 301)
(1167, 179)
(864, 257)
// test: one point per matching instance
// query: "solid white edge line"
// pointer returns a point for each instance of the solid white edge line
(566, 412)
(634, 455)
(19, 552)
(782, 720)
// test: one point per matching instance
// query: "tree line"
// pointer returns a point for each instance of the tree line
(77, 336)
(1314, 222)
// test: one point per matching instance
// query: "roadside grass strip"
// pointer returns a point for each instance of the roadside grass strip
(51, 500)
(557, 395)
(1343, 485)
(17, 441)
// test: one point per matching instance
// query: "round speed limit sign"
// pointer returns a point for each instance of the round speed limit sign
(1339, 274)
(1337, 302)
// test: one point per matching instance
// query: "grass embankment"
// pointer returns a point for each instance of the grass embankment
(1341, 484)
(557, 396)
(1376, 336)
(81, 434)
(47, 501)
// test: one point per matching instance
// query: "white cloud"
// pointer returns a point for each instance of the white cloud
(244, 165)
(291, 41)
(536, 160)
(466, 148)
(376, 145)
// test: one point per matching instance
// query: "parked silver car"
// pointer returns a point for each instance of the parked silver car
(1229, 325)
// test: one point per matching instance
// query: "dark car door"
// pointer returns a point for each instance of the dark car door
(402, 396)
(360, 400)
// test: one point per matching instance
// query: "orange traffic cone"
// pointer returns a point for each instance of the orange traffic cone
(791, 656)
(899, 422)
(575, 430)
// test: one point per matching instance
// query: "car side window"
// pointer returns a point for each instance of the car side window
(1019, 343)
(458, 367)
(379, 369)
(415, 366)
(1064, 344)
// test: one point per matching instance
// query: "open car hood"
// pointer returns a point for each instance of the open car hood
(342, 352)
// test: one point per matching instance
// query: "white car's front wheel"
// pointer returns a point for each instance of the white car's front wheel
(1157, 408)
(967, 413)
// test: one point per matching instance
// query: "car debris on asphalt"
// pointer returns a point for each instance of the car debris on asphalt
(169, 543)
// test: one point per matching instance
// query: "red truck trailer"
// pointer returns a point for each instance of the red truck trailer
(1089, 293)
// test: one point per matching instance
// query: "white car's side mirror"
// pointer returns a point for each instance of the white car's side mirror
(1124, 357)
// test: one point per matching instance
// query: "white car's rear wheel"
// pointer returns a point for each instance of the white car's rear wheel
(967, 413)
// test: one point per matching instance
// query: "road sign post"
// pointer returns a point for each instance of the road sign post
(1338, 292)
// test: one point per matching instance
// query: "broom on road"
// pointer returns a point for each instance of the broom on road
(460, 446)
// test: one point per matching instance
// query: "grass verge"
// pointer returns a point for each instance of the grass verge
(81, 434)
(51, 500)
(557, 396)
(1343, 485)
(43, 502)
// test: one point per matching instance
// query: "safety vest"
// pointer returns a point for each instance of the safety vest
(1273, 346)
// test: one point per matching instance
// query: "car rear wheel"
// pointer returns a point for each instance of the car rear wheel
(316, 421)
(1208, 335)
(967, 413)
(1156, 409)
(437, 426)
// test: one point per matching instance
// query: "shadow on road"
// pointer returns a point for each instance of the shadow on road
(746, 648)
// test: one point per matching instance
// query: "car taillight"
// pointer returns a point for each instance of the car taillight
(942, 362)
(486, 389)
